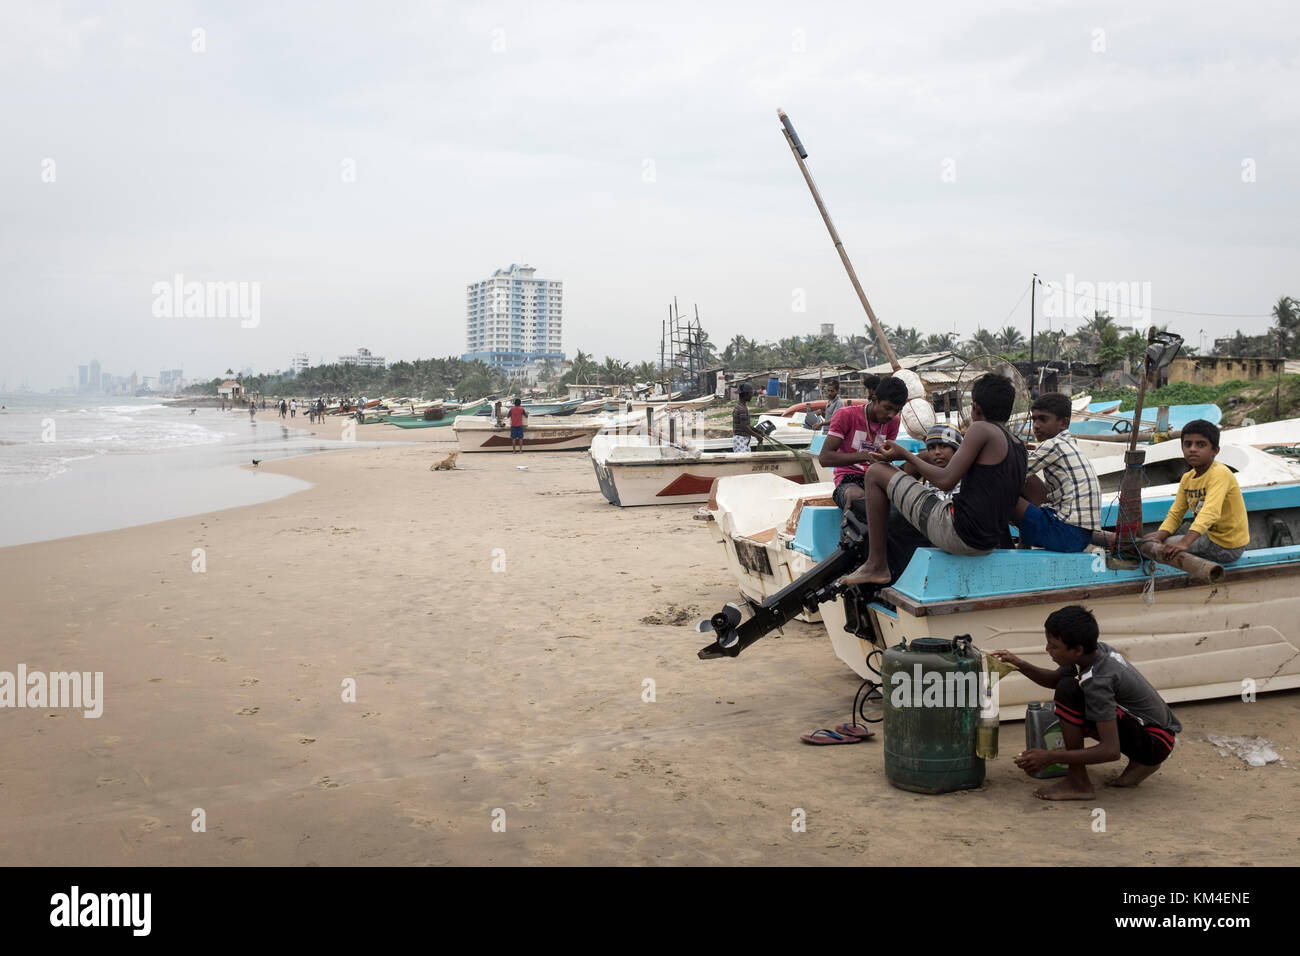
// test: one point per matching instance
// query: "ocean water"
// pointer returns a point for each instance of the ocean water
(73, 465)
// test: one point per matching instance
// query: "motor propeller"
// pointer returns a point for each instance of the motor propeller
(723, 624)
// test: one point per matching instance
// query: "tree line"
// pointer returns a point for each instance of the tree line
(1100, 340)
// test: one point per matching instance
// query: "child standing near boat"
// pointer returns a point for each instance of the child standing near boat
(1061, 506)
(1220, 530)
(517, 416)
(990, 465)
(856, 432)
(1100, 695)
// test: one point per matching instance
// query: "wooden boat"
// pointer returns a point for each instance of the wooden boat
(1192, 641)
(553, 409)
(476, 433)
(636, 470)
(818, 406)
(444, 416)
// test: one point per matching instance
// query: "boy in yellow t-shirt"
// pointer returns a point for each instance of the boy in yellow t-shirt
(1219, 529)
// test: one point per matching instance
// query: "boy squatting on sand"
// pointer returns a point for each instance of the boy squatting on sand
(1220, 530)
(1101, 695)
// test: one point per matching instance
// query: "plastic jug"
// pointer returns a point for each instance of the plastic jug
(1043, 732)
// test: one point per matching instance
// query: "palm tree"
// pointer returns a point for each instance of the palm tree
(983, 342)
(1051, 345)
(735, 349)
(906, 341)
(614, 371)
(939, 342)
(1286, 317)
(1010, 339)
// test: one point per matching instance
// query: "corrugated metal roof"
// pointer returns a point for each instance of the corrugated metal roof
(947, 359)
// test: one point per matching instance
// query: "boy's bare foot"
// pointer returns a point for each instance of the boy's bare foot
(869, 573)
(1063, 790)
(1133, 774)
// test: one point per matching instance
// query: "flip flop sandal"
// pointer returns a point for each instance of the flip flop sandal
(826, 737)
(855, 730)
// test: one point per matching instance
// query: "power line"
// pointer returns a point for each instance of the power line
(1017, 305)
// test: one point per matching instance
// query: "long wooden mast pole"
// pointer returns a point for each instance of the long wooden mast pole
(796, 147)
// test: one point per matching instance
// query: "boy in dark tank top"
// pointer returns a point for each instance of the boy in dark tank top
(990, 466)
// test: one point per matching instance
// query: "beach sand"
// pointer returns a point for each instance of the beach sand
(519, 692)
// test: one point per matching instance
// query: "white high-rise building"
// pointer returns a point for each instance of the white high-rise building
(363, 358)
(300, 362)
(514, 318)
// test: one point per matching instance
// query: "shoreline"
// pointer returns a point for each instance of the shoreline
(521, 691)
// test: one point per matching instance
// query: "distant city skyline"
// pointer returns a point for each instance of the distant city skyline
(213, 186)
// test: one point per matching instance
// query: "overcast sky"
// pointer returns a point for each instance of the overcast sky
(364, 162)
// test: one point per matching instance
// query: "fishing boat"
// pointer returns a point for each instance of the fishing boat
(637, 470)
(475, 433)
(665, 404)
(553, 410)
(1192, 640)
(442, 416)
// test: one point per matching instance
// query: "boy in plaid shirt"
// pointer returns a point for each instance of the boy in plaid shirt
(1061, 506)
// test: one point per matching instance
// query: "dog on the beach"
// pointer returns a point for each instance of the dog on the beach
(447, 464)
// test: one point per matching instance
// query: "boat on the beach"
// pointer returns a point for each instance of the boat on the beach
(1193, 641)
(552, 409)
(636, 470)
(475, 433)
(666, 404)
(440, 416)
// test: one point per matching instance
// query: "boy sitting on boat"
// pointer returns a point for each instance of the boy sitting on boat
(1220, 529)
(1061, 506)
(1100, 695)
(941, 443)
(856, 432)
(990, 465)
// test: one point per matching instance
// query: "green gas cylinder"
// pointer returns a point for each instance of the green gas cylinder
(931, 690)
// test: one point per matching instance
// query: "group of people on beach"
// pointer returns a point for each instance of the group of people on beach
(963, 493)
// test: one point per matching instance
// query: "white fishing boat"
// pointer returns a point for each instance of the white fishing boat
(664, 403)
(636, 470)
(1195, 642)
(479, 434)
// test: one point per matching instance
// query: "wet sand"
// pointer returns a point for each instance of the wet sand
(519, 691)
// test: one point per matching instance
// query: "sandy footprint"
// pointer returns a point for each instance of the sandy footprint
(247, 711)
(325, 783)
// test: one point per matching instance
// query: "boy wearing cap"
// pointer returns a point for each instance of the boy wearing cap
(941, 443)
(1061, 503)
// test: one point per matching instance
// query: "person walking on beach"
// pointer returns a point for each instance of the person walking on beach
(518, 414)
(252, 409)
(293, 408)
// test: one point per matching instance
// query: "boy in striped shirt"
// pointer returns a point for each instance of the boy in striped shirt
(1061, 503)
